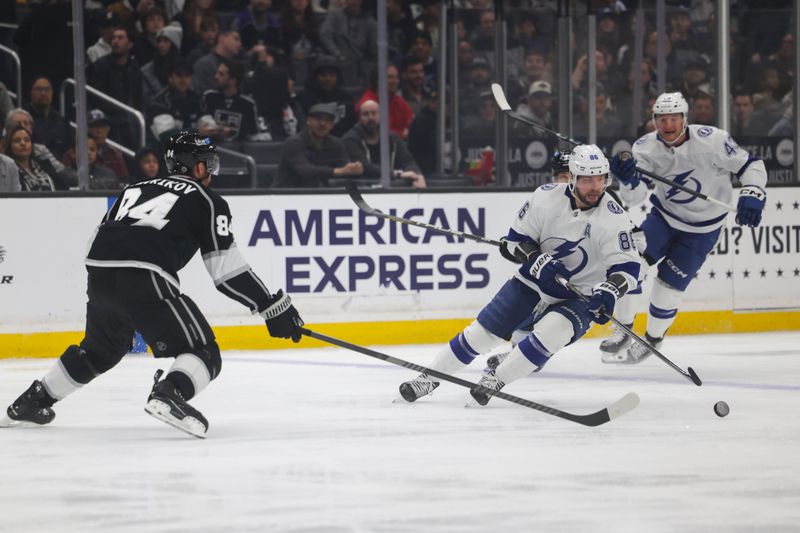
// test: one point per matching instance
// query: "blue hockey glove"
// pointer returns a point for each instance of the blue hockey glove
(545, 269)
(282, 318)
(625, 171)
(603, 300)
(750, 206)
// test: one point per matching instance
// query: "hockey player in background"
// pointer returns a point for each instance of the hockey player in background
(153, 229)
(575, 231)
(680, 230)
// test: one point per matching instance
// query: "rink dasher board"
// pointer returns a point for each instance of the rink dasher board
(348, 270)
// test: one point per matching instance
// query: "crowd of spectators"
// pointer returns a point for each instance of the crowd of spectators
(304, 72)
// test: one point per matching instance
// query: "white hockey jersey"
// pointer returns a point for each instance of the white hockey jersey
(704, 163)
(591, 243)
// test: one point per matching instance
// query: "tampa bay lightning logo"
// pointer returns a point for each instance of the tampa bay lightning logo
(614, 207)
(705, 131)
(571, 255)
(548, 186)
(642, 140)
(687, 181)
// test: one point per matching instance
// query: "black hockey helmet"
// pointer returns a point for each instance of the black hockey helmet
(186, 148)
(560, 162)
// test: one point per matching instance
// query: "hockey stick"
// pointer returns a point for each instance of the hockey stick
(355, 195)
(691, 375)
(615, 410)
(502, 103)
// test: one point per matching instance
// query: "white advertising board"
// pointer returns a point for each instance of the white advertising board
(341, 265)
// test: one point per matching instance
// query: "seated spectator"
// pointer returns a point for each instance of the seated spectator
(694, 79)
(623, 102)
(209, 29)
(107, 156)
(103, 45)
(483, 36)
(63, 175)
(528, 34)
(607, 29)
(423, 136)
(363, 145)
(300, 31)
(400, 114)
(608, 125)
(537, 107)
(771, 88)
(154, 73)
(6, 103)
(323, 87)
(228, 46)
(34, 174)
(146, 165)
(235, 114)
(9, 174)
(191, 18)
(534, 68)
(257, 25)
(481, 126)
(50, 128)
(421, 48)
(412, 87)
(101, 178)
(701, 110)
(349, 33)
(478, 82)
(144, 46)
(606, 74)
(314, 156)
(745, 120)
(177, 98)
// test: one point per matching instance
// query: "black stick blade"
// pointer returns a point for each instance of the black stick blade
(694, 377)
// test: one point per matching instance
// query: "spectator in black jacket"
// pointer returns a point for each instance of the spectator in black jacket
(363, 145)
(235, 114)
(50, 128)
(119, 74)
(177, 98)
(313, 156)
(423, 135)
(323, 87)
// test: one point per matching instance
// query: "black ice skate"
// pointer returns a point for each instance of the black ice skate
(167, 404)
(494, 361)
(638, 352)
(418, 387)
(614, 346)
(488, 381)
(32, 407)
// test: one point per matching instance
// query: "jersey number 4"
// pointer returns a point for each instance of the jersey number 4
(150, 213)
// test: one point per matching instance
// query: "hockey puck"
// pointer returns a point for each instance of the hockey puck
(721, 409)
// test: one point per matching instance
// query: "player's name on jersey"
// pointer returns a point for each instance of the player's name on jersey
(174, 185)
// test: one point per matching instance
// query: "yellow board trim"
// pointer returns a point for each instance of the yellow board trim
(52, 344)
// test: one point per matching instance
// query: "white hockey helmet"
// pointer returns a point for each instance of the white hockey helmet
(587, 160)
(669, 103)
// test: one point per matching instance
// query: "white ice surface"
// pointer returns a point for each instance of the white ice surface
(310, 441)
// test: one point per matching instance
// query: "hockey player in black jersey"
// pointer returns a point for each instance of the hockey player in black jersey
(151, 232)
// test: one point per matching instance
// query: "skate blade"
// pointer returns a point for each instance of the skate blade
(160, 411)
(6, 422)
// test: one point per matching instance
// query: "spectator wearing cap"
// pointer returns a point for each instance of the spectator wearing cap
(421, 48)
(400, 114)
(608, 29)
(537, 107)
(107, 156)
(478, 81)
(694, 80)
(20, 117)
(363, 145)
(227, 46)
(177, 98)
(145, 46)
(155, 73)
(235, 115)
(323, 87)
(103, 45)
(350, 33)
(50, 128)
(118, 74)
(313, 157)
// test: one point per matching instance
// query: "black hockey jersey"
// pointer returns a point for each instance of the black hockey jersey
(159, 225)
(237, 112)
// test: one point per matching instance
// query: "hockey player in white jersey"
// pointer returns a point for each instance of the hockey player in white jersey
(681, 229)
(575, 231)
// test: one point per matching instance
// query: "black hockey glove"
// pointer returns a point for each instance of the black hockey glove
(604, 297)
(518, 252)
(283, 320)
